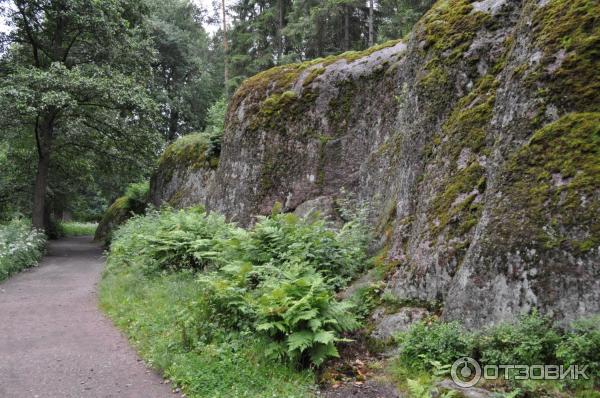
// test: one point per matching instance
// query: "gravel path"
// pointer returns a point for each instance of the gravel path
(54, 341)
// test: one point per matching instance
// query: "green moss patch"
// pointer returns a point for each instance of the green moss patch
(451, 25)
(446, 32)
(465, 129)
(569, 34)
(268, 92)
(552, 187)
(189, 152)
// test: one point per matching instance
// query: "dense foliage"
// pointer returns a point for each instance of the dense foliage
(276, 280)
(20, 247)
(90, 92)
(531, 340)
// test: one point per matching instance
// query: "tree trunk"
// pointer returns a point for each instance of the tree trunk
(225, 50)
(347, 29)
(280, 31)
(44, 130)
(173, 125)
(39, 193)
(371, 32)
(43, 138)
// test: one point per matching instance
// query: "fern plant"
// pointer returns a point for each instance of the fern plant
(301, 317)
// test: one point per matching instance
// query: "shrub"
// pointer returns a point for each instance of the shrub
(276, 280)
(20, 247)
(215, 125)
(581, 346)
(284, 239)
(435, 342)
(186, 239)
(530, 340)
(171, 240)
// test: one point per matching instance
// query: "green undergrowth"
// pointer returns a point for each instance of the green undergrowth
(76, 228)
(227, 311)
(148, 308)
(428, 349)
(20, 247)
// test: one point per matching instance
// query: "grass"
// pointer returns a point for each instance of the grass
(75, 228)
(148, 309)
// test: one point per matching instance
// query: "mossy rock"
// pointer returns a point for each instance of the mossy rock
(120, 211)
(569, 34)
(551, 189)
(189, 151)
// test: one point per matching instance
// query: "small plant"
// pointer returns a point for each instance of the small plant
(436, 342)
(20, 247)
(530, 340)
(581, 346)
(302, 319)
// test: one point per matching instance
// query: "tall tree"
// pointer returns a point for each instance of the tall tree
(76, 70)
(371, 28)
(186, 81)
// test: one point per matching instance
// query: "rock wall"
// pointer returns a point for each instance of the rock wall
(184, 173)
(475, 143)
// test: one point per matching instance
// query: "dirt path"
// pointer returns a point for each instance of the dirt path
(54, 341)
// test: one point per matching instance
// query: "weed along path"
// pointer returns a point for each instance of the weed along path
(55, 342)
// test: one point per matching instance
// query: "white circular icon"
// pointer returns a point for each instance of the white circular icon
(465, 372)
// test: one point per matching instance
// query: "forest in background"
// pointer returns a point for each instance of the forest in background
(92, 92)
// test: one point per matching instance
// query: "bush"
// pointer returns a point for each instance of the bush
(285, 239)
(435, 342)
(581, 346)
(215, 126)
(531, 340)
(20, 247)
(301, 318)
(276, 280)
(171, 239)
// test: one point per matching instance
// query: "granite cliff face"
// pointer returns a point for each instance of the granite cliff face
(475, 143)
